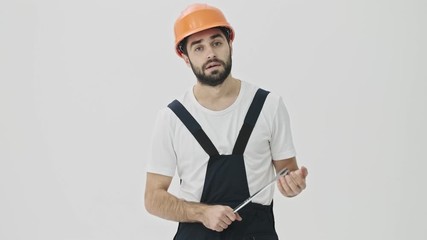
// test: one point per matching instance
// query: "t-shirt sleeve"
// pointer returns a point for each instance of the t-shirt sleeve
(282, 146)
(162, 157)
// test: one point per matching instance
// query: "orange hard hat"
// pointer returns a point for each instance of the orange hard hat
(198, 17)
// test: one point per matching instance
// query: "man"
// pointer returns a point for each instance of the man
(224, 137)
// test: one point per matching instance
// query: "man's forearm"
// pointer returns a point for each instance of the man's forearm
(163, 204)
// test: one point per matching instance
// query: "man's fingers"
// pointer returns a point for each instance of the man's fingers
(289, 185)
(223, 225)
(221, 217)
(286, 189)
(293, 183)
(298, 180)
(227, 220)
(233, 216)
(304, 171)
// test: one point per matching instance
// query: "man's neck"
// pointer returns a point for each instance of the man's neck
(219, 97)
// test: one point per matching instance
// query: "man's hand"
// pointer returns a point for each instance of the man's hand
(293, 183)
(218, 217)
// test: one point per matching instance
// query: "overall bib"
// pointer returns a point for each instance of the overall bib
(226, 182)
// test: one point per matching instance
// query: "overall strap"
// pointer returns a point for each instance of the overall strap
(194, 127)
(250, 120)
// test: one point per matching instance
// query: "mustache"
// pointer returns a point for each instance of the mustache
(213, 61)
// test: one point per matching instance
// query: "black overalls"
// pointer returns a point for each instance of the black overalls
(226, 182)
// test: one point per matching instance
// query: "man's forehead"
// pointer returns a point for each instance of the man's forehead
(205, 34)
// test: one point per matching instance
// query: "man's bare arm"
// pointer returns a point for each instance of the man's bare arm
(159, 202)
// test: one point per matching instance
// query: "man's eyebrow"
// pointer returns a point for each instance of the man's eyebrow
(216, 35)
(211, 37)
(195, 42)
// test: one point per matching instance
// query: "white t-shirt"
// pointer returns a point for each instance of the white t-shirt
(174, 148)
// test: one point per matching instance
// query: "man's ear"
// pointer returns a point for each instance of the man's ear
(230, 43)
(186, 59)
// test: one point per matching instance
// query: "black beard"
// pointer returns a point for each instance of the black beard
(217, 77)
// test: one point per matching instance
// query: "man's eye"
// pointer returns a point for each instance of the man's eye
(217, 44)
(198, 49)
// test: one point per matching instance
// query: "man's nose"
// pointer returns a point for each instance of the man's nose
(210, 53)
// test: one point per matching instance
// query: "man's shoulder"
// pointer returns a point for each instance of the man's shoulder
(272, 97)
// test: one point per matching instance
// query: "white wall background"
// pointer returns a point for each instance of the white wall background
(81, 82)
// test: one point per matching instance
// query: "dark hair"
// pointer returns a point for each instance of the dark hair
(182, 46)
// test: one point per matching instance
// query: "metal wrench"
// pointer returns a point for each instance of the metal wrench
(282, 172)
